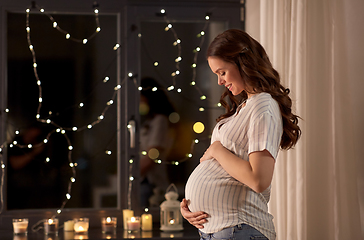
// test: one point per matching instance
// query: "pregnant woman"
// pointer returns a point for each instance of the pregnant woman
(228, 192)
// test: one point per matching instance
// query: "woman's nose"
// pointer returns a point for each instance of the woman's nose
(220, 81)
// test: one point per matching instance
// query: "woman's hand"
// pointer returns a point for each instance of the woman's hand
(209, 153)
(194, 218)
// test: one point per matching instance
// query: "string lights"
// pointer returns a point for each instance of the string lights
(63, 130)
(198, 126)
(59, 129)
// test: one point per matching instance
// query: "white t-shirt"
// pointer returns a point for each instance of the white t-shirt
(255, 127)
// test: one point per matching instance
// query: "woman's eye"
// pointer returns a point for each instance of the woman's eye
(222, 74)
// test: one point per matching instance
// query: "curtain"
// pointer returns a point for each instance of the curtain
(317, 47)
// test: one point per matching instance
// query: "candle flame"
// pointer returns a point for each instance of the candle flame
(108, 219)
(171, 221)
(80, 228)
(50, 221)
(132, 219)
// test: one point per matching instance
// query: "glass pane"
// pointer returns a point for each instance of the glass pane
(74, 93)
(175, 59)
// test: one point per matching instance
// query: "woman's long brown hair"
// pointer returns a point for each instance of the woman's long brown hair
(237, 47)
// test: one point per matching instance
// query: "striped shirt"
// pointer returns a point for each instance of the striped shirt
(255, 127)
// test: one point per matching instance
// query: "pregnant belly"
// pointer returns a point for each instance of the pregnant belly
(211, 189)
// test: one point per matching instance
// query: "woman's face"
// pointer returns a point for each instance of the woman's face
(227, 74)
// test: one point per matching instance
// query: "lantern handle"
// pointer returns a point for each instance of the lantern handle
(172, 186)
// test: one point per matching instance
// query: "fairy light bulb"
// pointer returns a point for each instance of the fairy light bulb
(179, 90)
(144, 153)
(81, 105)
(196, 141)
(89, 126)
(30, 145)
(48, 159)
(154, 89)
(163, 11)
(74, 129)
(15, 142)
(31, 47)
(68, 36)
(170, 88)
(16, 132)
(158, 161)
(203, 97)
(101, 117)
(110, 102)
(58, 130)
(48, 121)
(189, 155)
(117, 87)
(106, 79)
(40, 99)
(156, 64)
(73, 179)
(178, 59)
(37, 116)
(84, 41)
(63, 131)
(98, 29)
(207, 17)
(7, 110)
(54, 24)
(193, 83)
(96, 11)
(70, 148)
(34, 65)
(130, 74)
(27, 10)
(108, 152)
(140, 88)
(131, 161)
(59, 211)
(194, 65)
(131, 178)
(68, 196)
(39, 83)
(177, 72)
(45, 140)
(42, 10)
(201, 109)
(116, 46)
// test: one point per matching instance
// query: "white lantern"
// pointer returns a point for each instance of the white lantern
(171, 217)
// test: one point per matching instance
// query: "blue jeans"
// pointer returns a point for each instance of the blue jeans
(239, 232)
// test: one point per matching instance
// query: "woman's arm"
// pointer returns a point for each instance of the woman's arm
(256, 173)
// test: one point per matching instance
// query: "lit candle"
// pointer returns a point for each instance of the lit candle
(127, 213)
(147, 222)
(68, 225)
(51, 226)
(108, 224)
(133, 224)
(20, 225)
(81, 225)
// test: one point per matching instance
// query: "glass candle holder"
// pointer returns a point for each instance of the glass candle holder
(108, 224)
(20, 225)
(81, 225)
(133, 224)
(51, 226)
